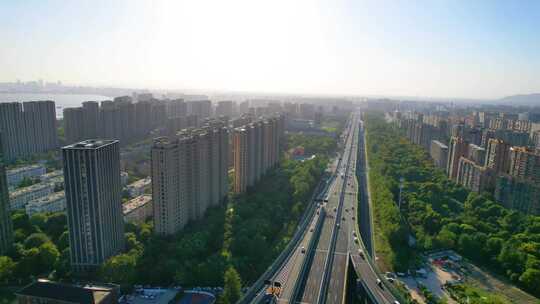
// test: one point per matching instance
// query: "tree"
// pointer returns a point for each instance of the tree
(232, 286)
(48, 255)
(35, 240)
(119, 268)
(39, 219)
(531, 280)
(7, 268)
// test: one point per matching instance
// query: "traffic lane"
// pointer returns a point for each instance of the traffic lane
(313, 282)
(366, 273)
(336, 288)
(289, 274)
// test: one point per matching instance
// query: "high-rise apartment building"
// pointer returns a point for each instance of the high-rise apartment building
(456, 149)
(28, 128)
(525, 163)
(74, 125)
(473, 176)
(6, 228)
(477, 154)
(224, 108)
(256, 148)
(519, 194)
(189, 175)
(91, 119)
(93, 199)
(439, 153)
(201, 108)
(498, 155)
(176, 108)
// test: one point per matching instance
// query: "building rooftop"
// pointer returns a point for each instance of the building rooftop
(49, 198)
(90, 144)
(84, 294)
(32, 188)
(141, 182)
(52, 174)
(136, 203)
(22, 169)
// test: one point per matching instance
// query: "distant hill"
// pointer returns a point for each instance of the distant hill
(521, 100)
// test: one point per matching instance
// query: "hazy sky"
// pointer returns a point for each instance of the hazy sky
(480, 49)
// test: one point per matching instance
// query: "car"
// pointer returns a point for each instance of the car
(355, 240)
(354, 233)
(346, 210)
(326, 200)
(311, 230)
(343, 218)
(353, 218)
(391, 280)
(335, 209)
(361, 253)
(396, 302)
(303, 249)
(337, 225)
(379, 282)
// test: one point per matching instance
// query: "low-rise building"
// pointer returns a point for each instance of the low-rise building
(137, 188)
(45, 292)
(20, 197)
(54, 202)
(15, 176)
(138, 209)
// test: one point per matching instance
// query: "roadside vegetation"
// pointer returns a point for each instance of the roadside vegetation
(443, 215)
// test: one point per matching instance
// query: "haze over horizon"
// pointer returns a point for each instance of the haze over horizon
(480, 49)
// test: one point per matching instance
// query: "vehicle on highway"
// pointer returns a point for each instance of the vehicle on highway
(311, 230)
(379, 282)
(353, 218)
(335, 209)
(337, 225)
(361, 253)
(303, 249)
(390, 280)
(355, 240)
(343, 218)
(354, 233)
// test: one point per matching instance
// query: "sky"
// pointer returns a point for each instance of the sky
(470, 49)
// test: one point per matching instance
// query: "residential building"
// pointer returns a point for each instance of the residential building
(73, 124)
(94, 210)
(201, 108)
(28, 128)
(6, 227)
(477, 154)
(20, 197)
(498, 155)
(17, 175)
(124, 177)
(225, 108)
(91, 119)
(138, 209)
(472, 176)
(456, 149)
(48, 292)
(256, 148)
(189, 175)
(519, 194)
(439, 154)
(54, 202)
(525, 163)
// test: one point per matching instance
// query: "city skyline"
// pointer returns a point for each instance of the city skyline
(459, 49)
